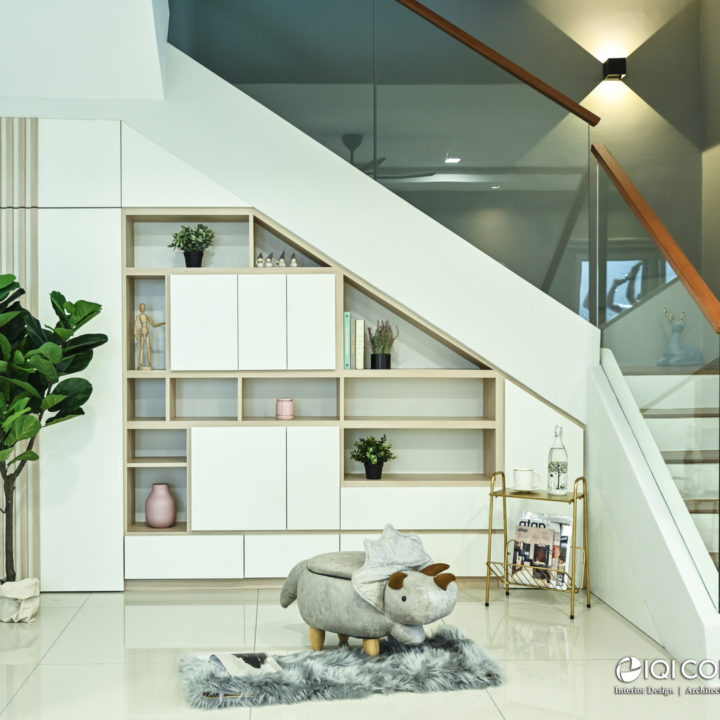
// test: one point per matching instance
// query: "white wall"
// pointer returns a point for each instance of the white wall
(82, 48)
(642, 531)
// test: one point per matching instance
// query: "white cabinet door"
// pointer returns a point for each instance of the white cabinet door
(272, 556)
(261, 322)
(237, 478)
(169, 557)
(313, 478)
(203, 322)
(311, 322)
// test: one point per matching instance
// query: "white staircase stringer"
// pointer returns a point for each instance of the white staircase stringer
(675, 585)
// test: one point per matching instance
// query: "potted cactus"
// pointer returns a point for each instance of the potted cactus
(193, 242)
(373, 454)
(381, 342)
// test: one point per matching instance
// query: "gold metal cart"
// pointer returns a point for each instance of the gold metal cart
(522, 575)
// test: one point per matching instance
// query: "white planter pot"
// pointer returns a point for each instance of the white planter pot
(19, 600)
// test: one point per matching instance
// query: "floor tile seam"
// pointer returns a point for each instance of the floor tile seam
(494, 702)
(43, 656)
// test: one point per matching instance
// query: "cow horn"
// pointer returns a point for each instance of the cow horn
(444, 580)
(434, 569)
(396, 580)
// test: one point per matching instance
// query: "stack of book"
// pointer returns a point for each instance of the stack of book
(353, 343)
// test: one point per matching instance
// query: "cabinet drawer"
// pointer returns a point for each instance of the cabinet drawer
(414, 508)
(275, 555)
(466, 553)
(183, 557)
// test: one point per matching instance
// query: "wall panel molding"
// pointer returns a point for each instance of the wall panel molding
(18, 255)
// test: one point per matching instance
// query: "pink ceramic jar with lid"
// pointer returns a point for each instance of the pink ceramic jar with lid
(285, 409)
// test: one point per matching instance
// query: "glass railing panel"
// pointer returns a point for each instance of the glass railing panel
(668, 353)
(519, 160)
(397, 97)
(312, 64)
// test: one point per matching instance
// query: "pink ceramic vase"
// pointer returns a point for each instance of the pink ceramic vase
(160, 509)
(285, 409)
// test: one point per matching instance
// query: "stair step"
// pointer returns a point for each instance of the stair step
(686, 457)
(678, 413)
(710, 369)
(715, 558)
(703, 506)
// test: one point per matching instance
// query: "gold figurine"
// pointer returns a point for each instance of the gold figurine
(143, 319)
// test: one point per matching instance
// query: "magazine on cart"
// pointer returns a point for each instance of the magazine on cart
(541, 550)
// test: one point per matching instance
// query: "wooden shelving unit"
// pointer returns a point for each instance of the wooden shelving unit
(447, 404)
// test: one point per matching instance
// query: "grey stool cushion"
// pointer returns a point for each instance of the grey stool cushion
(337, 564)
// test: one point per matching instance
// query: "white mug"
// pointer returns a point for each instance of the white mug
(525, 480)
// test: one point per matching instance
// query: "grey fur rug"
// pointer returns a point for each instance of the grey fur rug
(446, 661)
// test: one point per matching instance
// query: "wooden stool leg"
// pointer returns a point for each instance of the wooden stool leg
(372, 646)
(343, 639)
(317, 638)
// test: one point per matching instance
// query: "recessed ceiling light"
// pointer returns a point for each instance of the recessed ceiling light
(495, 187)
(451, 159)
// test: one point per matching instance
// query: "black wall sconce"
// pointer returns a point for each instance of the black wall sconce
(614, 69)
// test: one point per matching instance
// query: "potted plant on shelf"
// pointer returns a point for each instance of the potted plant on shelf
(373, 454)
(193, 242)
(381, 342)
(33, 358)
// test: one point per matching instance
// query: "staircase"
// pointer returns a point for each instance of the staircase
(681, 410)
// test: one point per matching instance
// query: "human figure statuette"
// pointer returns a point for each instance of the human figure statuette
(144, 349)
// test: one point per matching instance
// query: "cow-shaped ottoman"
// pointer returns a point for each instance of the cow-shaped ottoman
(328, 601)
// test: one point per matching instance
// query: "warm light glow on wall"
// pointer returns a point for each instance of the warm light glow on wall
(610, 50)
(611, 92)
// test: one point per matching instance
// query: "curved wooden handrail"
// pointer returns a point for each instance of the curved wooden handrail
(501, 61)
(686, 272)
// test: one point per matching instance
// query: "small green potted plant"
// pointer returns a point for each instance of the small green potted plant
(381, 342)
(372, 453)
(193, 242)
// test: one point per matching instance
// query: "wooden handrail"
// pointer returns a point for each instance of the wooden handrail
(689, 276)
(501, 61)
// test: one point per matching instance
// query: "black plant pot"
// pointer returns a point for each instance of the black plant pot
(380, 361)
(193, 258)
(373, 471)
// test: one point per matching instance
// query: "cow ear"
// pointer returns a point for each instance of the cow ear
(396, 580)
(444, 580)
(434, 569)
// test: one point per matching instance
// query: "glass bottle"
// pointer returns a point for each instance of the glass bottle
(557, 465)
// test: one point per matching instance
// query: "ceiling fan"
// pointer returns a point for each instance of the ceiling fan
(352, 141)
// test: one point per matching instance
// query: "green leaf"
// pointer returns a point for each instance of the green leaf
(7, 424)
(45, 367)
(82, 312)
(75, 363)
(27, 455)
(23, 428)
(5, 347)
(34, 330)
(63, 333)
(58, 302)
(3, 366)
(62, 416)
(84, 342)
(6, 281)
(5, 454)
(76, 390)
(6, 317)
(51, 400)
(52, 351)
(27, 387)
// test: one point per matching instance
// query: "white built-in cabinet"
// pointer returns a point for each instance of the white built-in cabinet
(265, 478)
(255, 494)
(252, 322)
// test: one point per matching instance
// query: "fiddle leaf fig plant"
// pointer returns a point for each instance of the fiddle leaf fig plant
(33, 359)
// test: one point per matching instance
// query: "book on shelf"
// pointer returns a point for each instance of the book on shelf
(352, 345)
(346, 340)
(540, 550)
(359, 344)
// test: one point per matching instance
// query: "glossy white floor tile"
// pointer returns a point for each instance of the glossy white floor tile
(115, 655)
